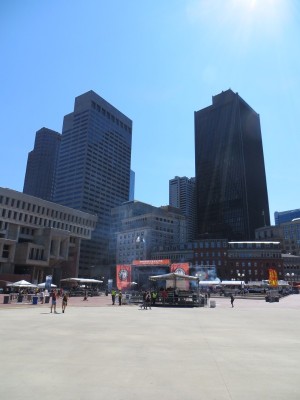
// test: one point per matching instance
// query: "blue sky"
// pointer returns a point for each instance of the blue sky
(157, 61)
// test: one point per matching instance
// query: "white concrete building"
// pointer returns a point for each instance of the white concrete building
(39, 238)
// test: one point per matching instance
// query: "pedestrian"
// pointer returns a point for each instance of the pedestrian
(42, 297)
(64, 302)
(231, 299)
(154, 297)
(120, 297)
(148, 300)
(53, 300)
(144, 305)
(113, 296)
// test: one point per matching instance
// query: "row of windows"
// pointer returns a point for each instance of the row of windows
(43, 222)
(45, 211)
(252, 264)
(254, 245)
(110, 116)
(255, 255)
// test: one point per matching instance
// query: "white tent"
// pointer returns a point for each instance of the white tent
(81, 280)
(22, 283)
(173, 275)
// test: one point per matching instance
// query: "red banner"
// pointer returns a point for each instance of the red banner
(273, 278)
(180, 268)
(123, 276)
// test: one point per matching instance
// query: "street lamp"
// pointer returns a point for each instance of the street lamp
(290, 275)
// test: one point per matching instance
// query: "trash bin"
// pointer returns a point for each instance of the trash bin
(212, 303)
(267, 298)
(47, 299)
(5, 299)
(20, 298)
(35, 299)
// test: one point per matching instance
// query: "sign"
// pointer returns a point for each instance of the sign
(151, 262)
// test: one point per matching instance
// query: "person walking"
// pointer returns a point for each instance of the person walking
(64, 302)
(113, 296)
(148, 300)
(120, 297)
(53, 301)
(231, 299)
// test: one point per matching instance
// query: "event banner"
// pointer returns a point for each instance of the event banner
(123, 276)
(273, 278)
(180, 268)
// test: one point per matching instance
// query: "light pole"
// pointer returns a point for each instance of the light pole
(290, 275)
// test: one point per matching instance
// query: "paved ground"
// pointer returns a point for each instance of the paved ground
(98, 351)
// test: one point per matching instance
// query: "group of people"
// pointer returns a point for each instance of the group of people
(54, 295)
(114, 294)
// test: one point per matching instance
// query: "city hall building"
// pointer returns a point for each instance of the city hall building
(40, 238)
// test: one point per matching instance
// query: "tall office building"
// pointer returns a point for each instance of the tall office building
(232, 197)
(182, 196)
(94, 171)
(41, 166)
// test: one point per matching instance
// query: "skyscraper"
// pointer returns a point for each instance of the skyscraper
(41, 165)
(94, 170)
(182, 196)
(232, 197)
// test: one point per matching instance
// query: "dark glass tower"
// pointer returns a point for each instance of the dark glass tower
(232, 197)
(41, 165)
(94, 171)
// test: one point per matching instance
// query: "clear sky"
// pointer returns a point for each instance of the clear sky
(157, 61)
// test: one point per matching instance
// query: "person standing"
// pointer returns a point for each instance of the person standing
(113, 296)
(53, 301)
(64, 302)
(148, 300)
(120, 297)
(42, 296)
(231, 299)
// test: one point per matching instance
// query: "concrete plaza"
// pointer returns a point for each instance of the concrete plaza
(99, 351)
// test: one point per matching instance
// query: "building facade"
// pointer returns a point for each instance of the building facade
(94, 171)
(137, 227)
(39, 238)
(287, 233)
(41, 166)
(182, 195)
(251, 261)
(199, 253)
(286, 216)
(232, 198)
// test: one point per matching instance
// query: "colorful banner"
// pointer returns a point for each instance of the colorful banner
(273, 278)
(180, 268)
(123, 276)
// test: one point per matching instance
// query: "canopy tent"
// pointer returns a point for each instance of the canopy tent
(22, 283)
(43, 285)
(81, 280)
(173, 275)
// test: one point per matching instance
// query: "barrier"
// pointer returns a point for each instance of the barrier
(212, 303)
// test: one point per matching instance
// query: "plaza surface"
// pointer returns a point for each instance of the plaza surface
(99, 351)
